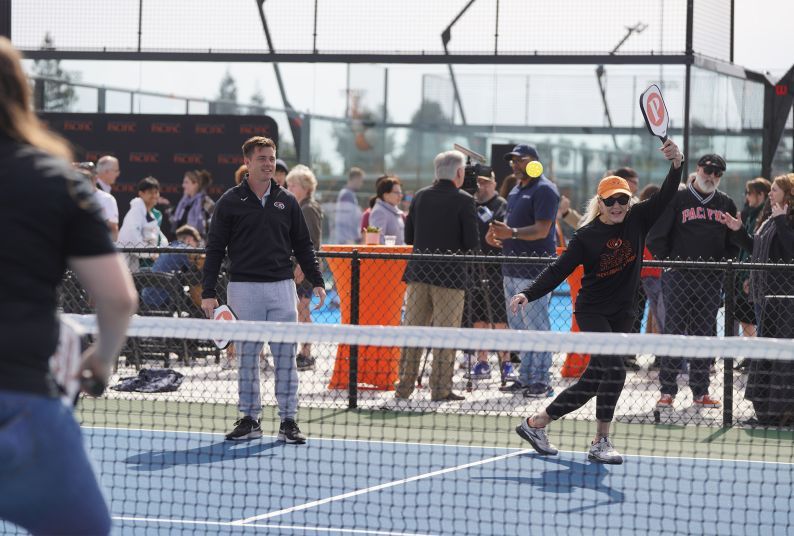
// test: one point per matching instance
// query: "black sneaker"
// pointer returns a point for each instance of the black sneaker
(631, 363)
(245, 428)
(305, 362)
(538, 390)
(513, 388)
(290, 433)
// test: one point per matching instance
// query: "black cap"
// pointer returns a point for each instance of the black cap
(712, 160)
(522, 150)
(280, 164)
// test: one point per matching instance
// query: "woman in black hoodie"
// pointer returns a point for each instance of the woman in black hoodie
(609, 245)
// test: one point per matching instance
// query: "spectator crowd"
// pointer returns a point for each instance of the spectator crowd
(518, 216)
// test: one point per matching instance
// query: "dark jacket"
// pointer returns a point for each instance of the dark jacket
(441, 219)
(691, 227)
(260, 241)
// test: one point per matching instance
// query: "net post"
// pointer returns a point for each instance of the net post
(727, 373)
(355, 292)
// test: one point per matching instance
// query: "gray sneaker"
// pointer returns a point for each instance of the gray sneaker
(604, 452)
(537, 438)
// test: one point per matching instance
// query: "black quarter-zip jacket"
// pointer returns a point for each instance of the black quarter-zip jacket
(260, 241)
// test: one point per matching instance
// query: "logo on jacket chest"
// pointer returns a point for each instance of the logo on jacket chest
(616, 257)
(279, 205)
(702, 213)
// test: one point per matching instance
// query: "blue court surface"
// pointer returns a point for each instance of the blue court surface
(195, 483)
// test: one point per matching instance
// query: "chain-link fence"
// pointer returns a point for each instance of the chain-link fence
(676, 297)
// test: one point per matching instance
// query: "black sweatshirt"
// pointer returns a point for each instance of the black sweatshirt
(692, 227)
(611, 255)
(260, 240)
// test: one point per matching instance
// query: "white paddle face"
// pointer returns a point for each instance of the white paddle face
(223, 313)
(654, 111)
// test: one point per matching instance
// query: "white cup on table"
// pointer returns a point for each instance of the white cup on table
(389, 240)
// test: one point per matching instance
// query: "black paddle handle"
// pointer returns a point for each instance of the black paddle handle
(91, 385)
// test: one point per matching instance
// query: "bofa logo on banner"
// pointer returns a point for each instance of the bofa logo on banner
(655, 111)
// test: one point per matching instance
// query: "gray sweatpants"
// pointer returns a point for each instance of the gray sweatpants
(277, 302)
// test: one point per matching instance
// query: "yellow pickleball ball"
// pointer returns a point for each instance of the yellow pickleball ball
(534, 169)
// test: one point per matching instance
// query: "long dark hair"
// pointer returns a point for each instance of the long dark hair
(17, 120)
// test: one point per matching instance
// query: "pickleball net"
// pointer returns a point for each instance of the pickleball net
(375, 464)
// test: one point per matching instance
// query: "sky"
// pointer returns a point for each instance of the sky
(763, 42)
(763, 39)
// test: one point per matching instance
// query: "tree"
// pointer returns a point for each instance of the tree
(429, 136)
(227, 96)
(58, 96)
(257, 100)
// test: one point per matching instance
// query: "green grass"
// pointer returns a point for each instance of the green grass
(430, 427)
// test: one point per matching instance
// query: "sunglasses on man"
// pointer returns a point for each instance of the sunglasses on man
(621, 199)
(713, 170)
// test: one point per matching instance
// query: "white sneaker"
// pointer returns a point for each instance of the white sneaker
(537, 438)
(604, 452)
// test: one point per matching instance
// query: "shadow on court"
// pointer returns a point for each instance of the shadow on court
(574, 476)
(222, 451)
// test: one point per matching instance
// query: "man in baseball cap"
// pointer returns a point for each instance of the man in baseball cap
(713, 160)
(522, 150)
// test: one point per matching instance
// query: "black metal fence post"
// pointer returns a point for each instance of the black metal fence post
(727, 375)
(355, 293)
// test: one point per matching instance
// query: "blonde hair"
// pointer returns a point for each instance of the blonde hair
(17, 120)
(303, 176)
(591, 212)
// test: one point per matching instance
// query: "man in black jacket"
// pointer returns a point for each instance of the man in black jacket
(692, 228)
(261, 226)
(442, 219)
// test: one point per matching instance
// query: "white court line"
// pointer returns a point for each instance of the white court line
(312, 438)
(265, 526)
(451, 445)
(377, 488)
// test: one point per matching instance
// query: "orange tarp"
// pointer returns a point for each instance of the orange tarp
(380, 303)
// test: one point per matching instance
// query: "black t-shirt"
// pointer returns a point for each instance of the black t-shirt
(611, 256)
(498, 208)
(47, 214)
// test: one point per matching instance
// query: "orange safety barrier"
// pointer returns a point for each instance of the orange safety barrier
(380, 303)
(574, 363)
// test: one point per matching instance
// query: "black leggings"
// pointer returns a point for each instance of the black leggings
(604, 376)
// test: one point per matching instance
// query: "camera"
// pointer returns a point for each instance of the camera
(473, 170)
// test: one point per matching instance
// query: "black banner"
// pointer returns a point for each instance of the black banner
(163, 146)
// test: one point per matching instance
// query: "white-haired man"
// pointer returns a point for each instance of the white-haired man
(107, 171)
(442, 219)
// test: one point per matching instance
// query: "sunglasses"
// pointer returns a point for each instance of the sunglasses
(713, 170)
(621, 199)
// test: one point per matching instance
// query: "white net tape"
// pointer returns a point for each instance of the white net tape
(474, 339)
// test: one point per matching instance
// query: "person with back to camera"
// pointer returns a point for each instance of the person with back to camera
(50, 221)
(609, 245)
(770, 384)
(442, 218)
